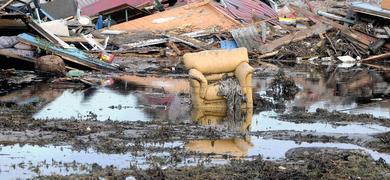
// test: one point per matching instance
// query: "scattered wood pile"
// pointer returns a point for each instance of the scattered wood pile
(308, 32)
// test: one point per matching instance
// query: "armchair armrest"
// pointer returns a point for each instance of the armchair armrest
(197, 75)
(242, 73)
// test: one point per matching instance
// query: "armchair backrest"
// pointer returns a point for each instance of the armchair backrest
(216, 61)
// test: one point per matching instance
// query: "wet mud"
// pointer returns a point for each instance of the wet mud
(333, 118)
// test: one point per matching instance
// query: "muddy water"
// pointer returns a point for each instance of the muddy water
(133, 98)
(155, 99)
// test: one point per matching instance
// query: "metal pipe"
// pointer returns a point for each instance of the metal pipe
(335, 17)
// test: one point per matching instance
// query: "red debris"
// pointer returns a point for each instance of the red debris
(246, 10)
(99, 6)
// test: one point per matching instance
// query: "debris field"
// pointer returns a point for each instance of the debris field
(194, 89)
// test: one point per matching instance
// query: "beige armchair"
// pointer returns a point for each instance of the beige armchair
(206, 68)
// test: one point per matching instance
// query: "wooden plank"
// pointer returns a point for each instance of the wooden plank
(172, 45)
(78, 39)
(376, 58)
(187, 40)
(18, 54)
(6, 4)
(349, 33)
(306, 13)
(378, 67)
(73, 55)
(151, 42)
(49, 36)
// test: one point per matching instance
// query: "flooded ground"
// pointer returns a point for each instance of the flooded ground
(24, 161)
(144, 122)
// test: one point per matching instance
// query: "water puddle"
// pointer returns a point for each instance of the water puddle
(134, 98)
(336, 95)
(107, 104)
(271, 149)
(26, 161)
(268, 121)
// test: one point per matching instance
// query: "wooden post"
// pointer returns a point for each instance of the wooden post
(127, 15)
(6, 4)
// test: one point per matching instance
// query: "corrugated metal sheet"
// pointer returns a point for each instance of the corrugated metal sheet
(68, 8)
(246, 10)
(102, 5)
(196, 16)
(83, 3)
(247, 37)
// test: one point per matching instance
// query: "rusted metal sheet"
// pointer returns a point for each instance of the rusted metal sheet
(68, 8)
(103, 5)
(83, 3)
(195, 16)
(248, 10)
(247, 37)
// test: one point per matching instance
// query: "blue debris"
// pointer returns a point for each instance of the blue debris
(99, 23)
(228, 44)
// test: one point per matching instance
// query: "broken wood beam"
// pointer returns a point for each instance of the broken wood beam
(151, 42)
(78, 40)
(172, 45)
(297, 36)
(349, 33)
(267, 55)
(48, 35)
(20, 54)
(73, 55)
(378, 67)
(6, 4)
(188, 40)
(312, 16)
(376, 58)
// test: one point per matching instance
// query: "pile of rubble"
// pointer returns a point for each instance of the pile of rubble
(110, 36)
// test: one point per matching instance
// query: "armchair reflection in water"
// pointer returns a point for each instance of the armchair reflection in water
(237, 146)
(208, 70)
